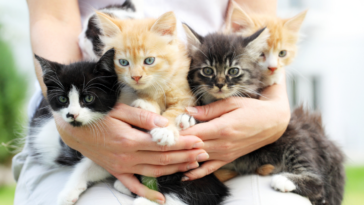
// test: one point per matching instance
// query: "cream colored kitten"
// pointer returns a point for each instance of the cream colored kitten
(153, 64)
(281, 44)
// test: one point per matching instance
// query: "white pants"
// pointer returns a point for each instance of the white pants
(38, 185)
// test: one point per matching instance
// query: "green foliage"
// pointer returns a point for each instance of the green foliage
(12, 96)
(354, 188)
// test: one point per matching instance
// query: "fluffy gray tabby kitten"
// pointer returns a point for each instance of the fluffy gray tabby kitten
(89, 39)
(306, 162)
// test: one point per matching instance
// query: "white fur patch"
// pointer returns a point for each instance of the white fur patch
(46, 142)
(185, 121)
(164, 136)
(282, 183)
(121, 188)
(143, 104)
(84, 172)
(143, 201)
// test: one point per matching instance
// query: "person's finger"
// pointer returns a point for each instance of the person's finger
(158, 170)
(138, 117)
(205, 169)
(215, 109)
(172, 157)
(133, 184)
(209, 130)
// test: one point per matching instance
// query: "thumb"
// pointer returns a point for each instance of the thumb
(213, 110)
(134, 185)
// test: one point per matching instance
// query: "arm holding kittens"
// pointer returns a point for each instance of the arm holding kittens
(238, 126)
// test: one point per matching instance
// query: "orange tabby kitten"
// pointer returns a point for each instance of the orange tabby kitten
(281, 44)
(152, 64)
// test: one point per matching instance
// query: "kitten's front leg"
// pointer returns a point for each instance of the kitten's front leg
(84, 172)
(146, 105)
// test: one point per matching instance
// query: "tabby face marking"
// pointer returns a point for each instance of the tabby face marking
(225, 65)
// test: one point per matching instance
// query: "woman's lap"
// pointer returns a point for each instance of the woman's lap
(38, 185)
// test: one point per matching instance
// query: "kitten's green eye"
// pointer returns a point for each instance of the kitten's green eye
(89, 98)
(149, 61)
(207, 71)
(62, 99)
(123, 62)
(282, 53)
(233, 71)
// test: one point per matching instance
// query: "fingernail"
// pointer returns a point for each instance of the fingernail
(160, 202)
(185, 178)
(192, 165)
(160, 121)
(198, 145)
(202, 157)
(191, 110)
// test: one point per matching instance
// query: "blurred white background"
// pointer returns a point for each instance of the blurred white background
(327, 75)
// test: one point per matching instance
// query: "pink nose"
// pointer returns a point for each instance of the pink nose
(272, 68)
(136, 78)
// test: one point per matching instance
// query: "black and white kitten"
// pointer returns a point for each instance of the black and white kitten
(89, 39)
(306, 162)
(81, 94)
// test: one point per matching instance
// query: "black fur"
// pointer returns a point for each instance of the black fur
(205, 191)
(303, 154)
(99, 79)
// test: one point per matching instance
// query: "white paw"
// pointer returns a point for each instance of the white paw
(121, 188)
(282, 183)
(164, 136)
(142, 104)
(185, 121)
(70, 197)
(143, 201)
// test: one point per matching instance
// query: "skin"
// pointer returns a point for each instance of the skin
(54, 29)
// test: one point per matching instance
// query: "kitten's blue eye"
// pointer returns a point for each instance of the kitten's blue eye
(149, 61)
(123, 62)
(233, 71)
(62, 99)
(89, 98)
(207, 71)
(282, 53)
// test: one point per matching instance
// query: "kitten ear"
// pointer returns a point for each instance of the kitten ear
(294, 23)
(48, 66)
(166, 25)
(107, 24)
(256, 43)
(238, 20)
(106, 62)
(193, 38)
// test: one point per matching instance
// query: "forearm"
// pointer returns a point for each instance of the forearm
(54, 29)
(259, 6)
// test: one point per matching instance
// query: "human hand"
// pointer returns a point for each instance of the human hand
(124, 151)
(237, 126)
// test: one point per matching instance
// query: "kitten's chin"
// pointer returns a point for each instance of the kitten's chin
(221, 95)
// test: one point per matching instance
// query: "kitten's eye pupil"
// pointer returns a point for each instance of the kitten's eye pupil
(149, 61)
(233, 71)
(207, 71)
(89, 98)
(123, 62)
(282, 53)
(262, 55)
(62, 99)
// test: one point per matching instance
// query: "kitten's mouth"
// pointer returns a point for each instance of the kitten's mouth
(76, 123)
